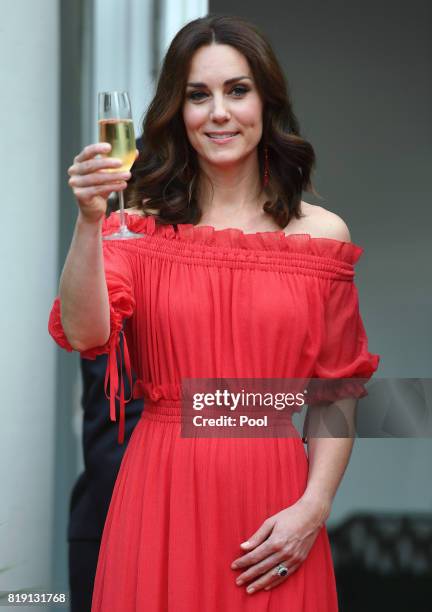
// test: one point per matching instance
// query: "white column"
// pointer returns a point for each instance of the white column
(29, 115)
(175, 14)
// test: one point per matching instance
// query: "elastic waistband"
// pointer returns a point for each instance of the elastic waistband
(162, 410)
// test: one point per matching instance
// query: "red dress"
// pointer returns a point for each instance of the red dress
(201, 302)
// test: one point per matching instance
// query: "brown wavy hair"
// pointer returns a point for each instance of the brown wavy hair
(163, 177)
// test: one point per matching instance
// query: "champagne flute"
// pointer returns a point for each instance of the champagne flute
(116, 128)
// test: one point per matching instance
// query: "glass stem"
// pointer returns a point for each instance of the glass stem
(123, 225)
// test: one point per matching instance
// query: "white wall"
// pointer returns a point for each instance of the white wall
(28, 259)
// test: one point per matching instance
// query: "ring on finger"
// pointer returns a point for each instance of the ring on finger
(281, 570)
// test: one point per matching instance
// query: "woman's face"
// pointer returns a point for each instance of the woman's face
(221, 96)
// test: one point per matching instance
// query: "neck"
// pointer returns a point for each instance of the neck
(230, 193)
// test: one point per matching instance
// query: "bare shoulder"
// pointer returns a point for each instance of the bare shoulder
(323, 223)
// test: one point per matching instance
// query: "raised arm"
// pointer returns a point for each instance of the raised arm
(85, 312)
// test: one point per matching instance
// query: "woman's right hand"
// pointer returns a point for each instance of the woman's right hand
(92, 182)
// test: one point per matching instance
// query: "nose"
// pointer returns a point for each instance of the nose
(219, 112)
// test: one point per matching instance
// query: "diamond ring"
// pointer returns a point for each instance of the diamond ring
(282, 570)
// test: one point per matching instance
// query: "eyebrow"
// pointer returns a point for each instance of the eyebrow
(227, 82)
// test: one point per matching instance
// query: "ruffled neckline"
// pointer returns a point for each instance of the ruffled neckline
(234, 238)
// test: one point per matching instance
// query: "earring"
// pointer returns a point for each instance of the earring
(266, 167)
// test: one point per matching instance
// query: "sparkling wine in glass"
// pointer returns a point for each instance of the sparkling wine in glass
(116, 128)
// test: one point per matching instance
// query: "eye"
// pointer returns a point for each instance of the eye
(241, 90)
(195, 95)
(238, 91)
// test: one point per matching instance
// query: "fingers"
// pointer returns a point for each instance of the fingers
(261, 552)
(100, 178)
(94, 165)
(260, 568)
(264, 561)
(271, 578)
(278, 579)
(91, 150)
(85, 194)
(258, 552)
(94, 175)
(87, 162)
(259, 535)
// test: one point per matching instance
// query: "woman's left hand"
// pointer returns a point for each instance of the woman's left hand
(285, 537)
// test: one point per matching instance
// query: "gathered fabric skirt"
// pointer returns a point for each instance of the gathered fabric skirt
(179, 511)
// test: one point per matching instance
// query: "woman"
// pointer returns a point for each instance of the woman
(235, 277)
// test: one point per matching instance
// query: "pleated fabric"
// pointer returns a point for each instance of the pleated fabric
(204, 303)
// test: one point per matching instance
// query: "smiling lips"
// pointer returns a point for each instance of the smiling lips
(221, 136)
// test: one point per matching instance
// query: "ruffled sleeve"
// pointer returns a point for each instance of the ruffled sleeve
(119, 278)
(343, 352)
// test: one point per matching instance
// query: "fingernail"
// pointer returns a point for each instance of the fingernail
(250, 589)
(234, 565)
(239, 581)
(244, 544)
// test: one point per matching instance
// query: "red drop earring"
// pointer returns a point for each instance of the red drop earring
(266, 167)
